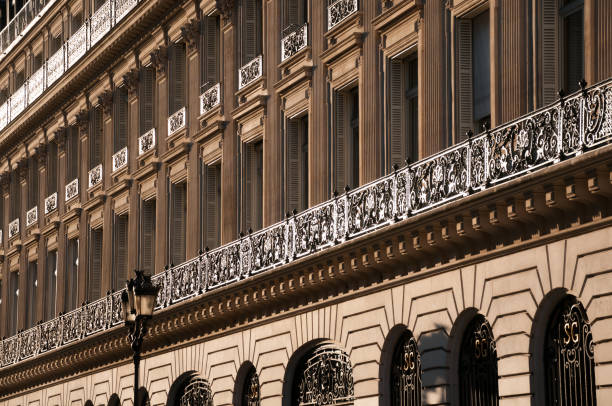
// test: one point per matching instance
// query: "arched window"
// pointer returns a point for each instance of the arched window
(324, 377)
(406, 372)
(250, 391)
(478, 365)
(568, 356)
(196, 393)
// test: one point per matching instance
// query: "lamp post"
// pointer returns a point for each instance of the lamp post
(138, 303)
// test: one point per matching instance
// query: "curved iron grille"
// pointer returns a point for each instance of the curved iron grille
(478, 365)
(325, 377)
(250, 392)
(197, 393)
(406, 372)
(570, 367)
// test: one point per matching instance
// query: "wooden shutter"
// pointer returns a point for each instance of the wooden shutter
(148, 236)
(13, 301)
(52, 168)
(251, 180)
(32, 183)
(121, 242)
(340, 141)
(121, 125)
(250, 36)
(550, 51)
(178, 85)
(95, 146)
(293, 165)
(211, 75)
(465, 99)
(213, 205)
(146, 103)
(397, 125)
(50, 285)
(73, 153)
(95, 265)
(32, 293)
(178, 222)
(292, 10)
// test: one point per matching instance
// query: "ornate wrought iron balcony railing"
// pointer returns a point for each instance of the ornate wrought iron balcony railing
(32, 216)
(294, 42)
(51, 203)
(176, 121)
(340, 10)
(13, 228)
(92, 30)
(72, 189)
(578, 123)
(94, 176)
(210, 98)
(120, 159)
(250, 72)
(146, 141)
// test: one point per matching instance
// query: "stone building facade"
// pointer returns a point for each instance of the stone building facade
(343, 202)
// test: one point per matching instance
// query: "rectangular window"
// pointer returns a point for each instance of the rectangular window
(71, 277)
(13, 303)
(19, 79)
(296, 170)
(32, 183)
(211, 188)
(147, 236)
(32, 294)
(572, 52)
(210, 56)
(252, 218)
(55, 43)
(250, 30)
(474, 74)
(146, 100)
(403, 106)
(72, 153)
(50, 285)
(76, 20)
(15, 196)
(94, 270)
(177, 77)
(51, 168)
(120, 119)
(96, 137)
(346, 140)
(120, 251)
(37, 61)
(97, 4)
(178, 222)
(295, 15)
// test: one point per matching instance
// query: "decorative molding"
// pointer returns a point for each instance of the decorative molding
(159, 59)
(82, 120)
(130, 80)
(191, 33)
(225, 7)
(106, 101)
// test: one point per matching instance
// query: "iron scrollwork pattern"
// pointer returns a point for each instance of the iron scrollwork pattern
(406, 373)
(250, 392)
(569, 356)
(197, 393)
(325, 377)
(478, 365)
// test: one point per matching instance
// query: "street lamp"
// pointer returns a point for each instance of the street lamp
(138, 303)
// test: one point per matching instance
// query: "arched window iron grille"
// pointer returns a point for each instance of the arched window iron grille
(478, 365)
(324, 377)
(197, 393)
(406, 372)
(570, 366)
(250, 392)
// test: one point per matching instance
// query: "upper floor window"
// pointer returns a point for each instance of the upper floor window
(19, 79)
(50, 285)
(178, 222)
(562, 47)
(177, 77)
(4, 94)
(37, 61)
(15, 196)
(346, 138)
(250, 26)
(55, 42)
(402, 110)
(211, 203)
(94, 269)
(72, 153)
(252, 218)
(13, 303)
(296, 178)
(31, 296)
(294, 14)
(32, 182)
(473, 67)
(146, 98)
(147, 236)
(210, 52)
(51, 168)
(71, 276)
(120, 119)
(120, 251)
(76, 20)
(96, 136)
